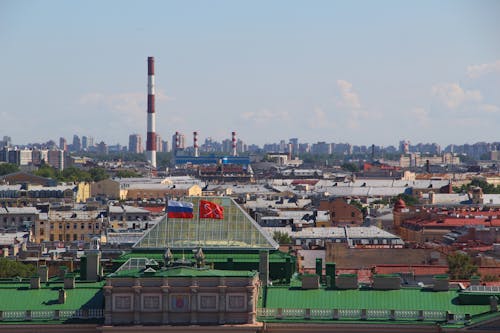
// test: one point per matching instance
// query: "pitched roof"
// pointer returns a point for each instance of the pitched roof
(237, 230)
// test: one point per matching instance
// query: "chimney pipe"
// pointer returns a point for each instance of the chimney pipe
(195, 144)
(151, 134)
(233, 134)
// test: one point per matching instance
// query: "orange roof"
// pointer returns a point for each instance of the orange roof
(460, 222)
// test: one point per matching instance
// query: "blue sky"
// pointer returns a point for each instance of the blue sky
(338, 71)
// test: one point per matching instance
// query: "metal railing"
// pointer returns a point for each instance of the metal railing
(47, 315)
(264, 314)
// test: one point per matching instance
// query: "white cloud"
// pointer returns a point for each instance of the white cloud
(489, 108)
(349, 98)
(319, 119)
(453, 96)
(265, 116)
(476, 71)
(421, 115)
(130, 107)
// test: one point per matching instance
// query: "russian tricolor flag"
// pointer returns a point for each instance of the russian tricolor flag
(179, 209)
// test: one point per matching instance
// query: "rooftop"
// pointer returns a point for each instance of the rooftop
(19, 296)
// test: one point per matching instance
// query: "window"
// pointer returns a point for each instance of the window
(41, 231)
(67, 237)
(60, 237)
(75, 237)
(236, 302)
(150, 302)
(90, 226)
(82, 226)
(67, 226)
(60, 226)
(75, 226)
(51, 237)
(353, 214)
(123, 303)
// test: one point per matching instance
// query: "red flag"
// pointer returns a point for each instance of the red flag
(210, 210)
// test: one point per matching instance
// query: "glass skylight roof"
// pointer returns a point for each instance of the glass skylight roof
(236, 231)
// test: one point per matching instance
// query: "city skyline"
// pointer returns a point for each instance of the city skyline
(352, 72)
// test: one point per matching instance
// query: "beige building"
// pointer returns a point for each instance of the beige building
(68, 226)
(180, 296)
(107, 188)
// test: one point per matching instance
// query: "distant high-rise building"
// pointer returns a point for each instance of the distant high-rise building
(165, 146)
(39, 156)
(77, 145)
(55, 158)
(227, 146)
(158, 143)
(135, 143)
(6, 141)
(63, 145)
(84, 143)
(20, 156)
(102, 148)
(295, 146)
(321, 148)
(404, 146)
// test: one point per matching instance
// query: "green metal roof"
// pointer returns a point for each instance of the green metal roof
(19, 296)
(237, 230)
(403, 299)
(183, 272)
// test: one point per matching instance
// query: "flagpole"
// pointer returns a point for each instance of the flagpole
(198, 225)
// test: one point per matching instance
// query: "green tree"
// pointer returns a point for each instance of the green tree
(6, 168)
(10, 268)
(408, 199)
(476, 182)
(359, 206)
(73, 174)
(127, 174)
(282, 237)
(460, 266)
(98, 174)
(48, 172)
(350, 167)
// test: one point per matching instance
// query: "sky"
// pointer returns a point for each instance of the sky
(361, 72)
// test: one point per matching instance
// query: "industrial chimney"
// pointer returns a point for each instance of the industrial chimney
(195, 144)
(233, 134)
(151, 136)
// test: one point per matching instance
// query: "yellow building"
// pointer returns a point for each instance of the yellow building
(83, 192)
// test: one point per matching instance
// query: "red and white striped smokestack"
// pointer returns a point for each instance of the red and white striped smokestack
(233, 134)
(195, 144)
(151, 137)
